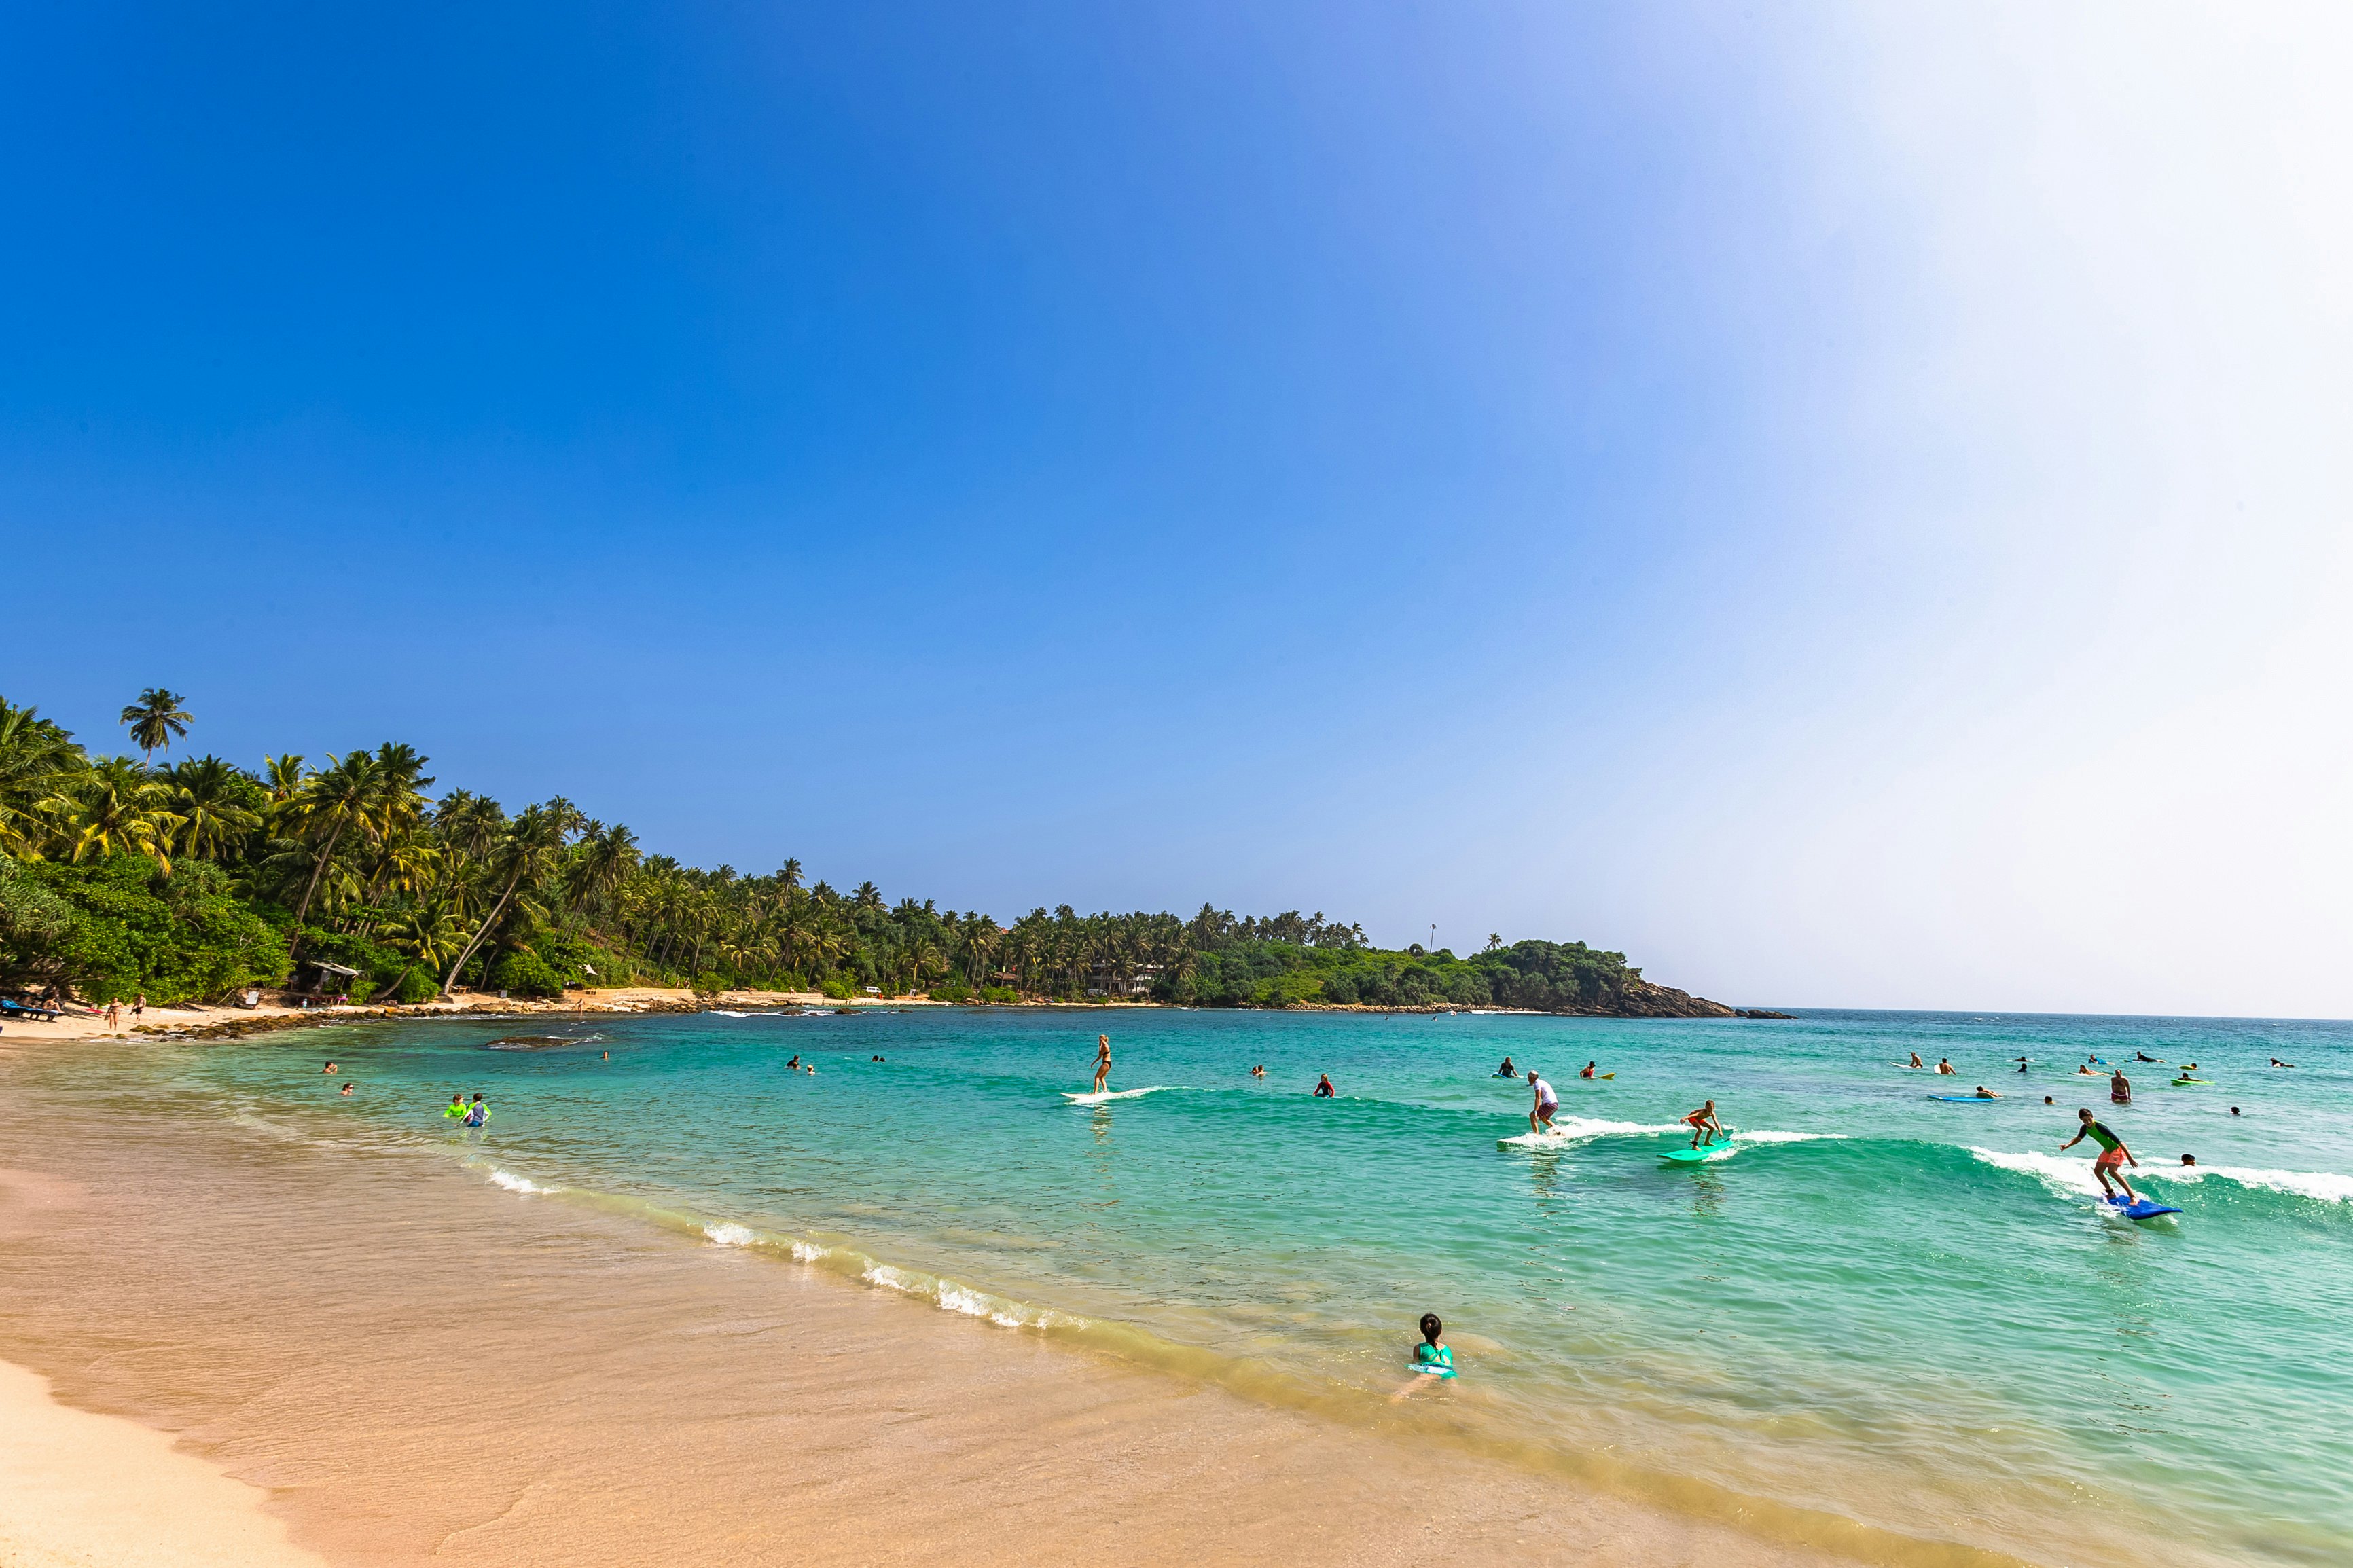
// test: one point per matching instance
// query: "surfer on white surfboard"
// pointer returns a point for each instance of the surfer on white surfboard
(1102, 1062)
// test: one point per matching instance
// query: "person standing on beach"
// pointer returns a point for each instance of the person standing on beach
(1547, 1106)
(139, 1008)
(114, 1017)
(1102, 1061)
(2112, 1156)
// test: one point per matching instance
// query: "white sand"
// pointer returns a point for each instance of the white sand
(97, 1491)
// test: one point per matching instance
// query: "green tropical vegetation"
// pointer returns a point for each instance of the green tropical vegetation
(196, 878)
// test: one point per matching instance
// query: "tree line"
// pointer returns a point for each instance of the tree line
(192, 879)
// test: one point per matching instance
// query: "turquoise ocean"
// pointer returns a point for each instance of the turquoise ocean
(1882, 1314)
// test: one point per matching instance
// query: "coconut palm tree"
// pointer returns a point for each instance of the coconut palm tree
(332, 802)
(217, 805)
(527, 852)
(37, 759)
(427, 933)
(116, 807)
(155, 719)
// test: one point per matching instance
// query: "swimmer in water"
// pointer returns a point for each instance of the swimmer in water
(2021, 1066)
(1547, 1104)
(1704, 1124)
(1102, 1061)
(1323, 1090)
(1259, 1071)
(329, 1067)
(2112, 1156)
(347, 1088)
(1433, 1359)
(1946, 1067)
(2277, 1063)
(2190, 1159)
(456, 1107)
(1587, 1070)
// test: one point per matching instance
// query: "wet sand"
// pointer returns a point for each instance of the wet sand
(415, 1365)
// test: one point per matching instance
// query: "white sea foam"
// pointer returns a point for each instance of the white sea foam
(1767, 1135)
(729, 1234)
(2323, 1186)
(725, 1013)
(803, 1252)
(516, 1183)
(2068, 1178)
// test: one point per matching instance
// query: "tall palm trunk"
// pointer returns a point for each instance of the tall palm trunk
(480, 933)
(317, 871)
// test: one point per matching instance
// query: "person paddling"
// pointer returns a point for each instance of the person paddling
(1507, 1069)
(2112, 1156)
(1102, 1061)
(1704, 1125)
(1547, 1104)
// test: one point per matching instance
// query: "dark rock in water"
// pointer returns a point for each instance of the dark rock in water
(527, 1042)
(1760, 1013)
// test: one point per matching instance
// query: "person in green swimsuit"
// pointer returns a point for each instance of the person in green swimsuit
(2111, 1158)
(456, 1107)
(1433, 1359)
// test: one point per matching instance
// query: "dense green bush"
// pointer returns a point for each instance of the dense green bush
(523, 973)
(131, 930)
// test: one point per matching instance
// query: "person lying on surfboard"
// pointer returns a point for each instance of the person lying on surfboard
(2112, 1156)
(1102, 1062)
(1547, 1104)
(1985, 1093)
(1704, 1124)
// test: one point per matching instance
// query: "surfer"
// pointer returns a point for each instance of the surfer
(1944, 1066)
(1259, 1071)
(1507, 1069)
(2119, 1087)
(1704, 1124)
(1323, 1090)
(1547, 1104)
(1102, 1061)
(2277, 1063)
(1985, 1093)
(1916, 1061)
(2086, 1072)
(1588, 1071)
(2112, 1156)
(2142, 1057)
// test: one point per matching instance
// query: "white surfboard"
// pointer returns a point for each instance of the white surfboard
(1110, 1094)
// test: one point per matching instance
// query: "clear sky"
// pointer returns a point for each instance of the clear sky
(1850, 504)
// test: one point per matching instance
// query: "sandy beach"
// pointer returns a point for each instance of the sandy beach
(411, 1364)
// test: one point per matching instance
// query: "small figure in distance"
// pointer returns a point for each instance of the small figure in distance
(1433, 1359)
(2234, 1110)
(2277, 1063)
(609, 1055)
(1586, 1071)
(1102, 1061)
(456, 1109)
(2190, 1159)
(1946, 1067)
(1507, 1069)
(794, 1064)
(1259, 1071)
(330, 1067)
(347, 1088)
(2086, 1072)
(1547, 1104)
(114, 1017)
(2112, 1156)
(2021, 1064)
(1916, 1061)
(477, 1113)
(2142, 1057)
(1704, 1124)
(2119, 1087)
(1323, 1090)
(2046, 1100)
(1985, 1093)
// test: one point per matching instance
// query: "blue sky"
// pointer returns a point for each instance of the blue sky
(1841, 507)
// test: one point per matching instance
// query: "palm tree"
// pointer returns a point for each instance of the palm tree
(154, 719)
(215, 805)
(528, 852)
(330, 804)
(116, 808)
(282, 777)
(606, 857)
(37, 759)
(428, 933)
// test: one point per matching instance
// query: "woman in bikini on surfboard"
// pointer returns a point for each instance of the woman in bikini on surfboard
(1102, 1061)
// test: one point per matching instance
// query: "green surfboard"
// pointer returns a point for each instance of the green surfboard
(1714, 1148)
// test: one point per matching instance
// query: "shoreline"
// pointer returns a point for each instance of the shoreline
(587, 1390)
(79, 1489)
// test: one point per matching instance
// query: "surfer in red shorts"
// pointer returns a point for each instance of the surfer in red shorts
(2112, 1157)
(1704, 1125)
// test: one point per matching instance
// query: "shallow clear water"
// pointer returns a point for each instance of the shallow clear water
(1882, 1307)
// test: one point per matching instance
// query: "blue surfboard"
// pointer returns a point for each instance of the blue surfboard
(2143, 1209)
